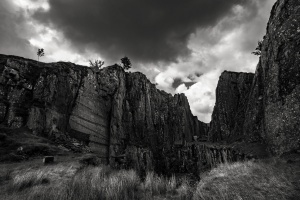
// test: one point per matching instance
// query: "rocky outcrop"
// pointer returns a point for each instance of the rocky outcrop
(231, 100)
(125, 120)
(270, 114)
(276, 88)
(107, 110)
(196, 157)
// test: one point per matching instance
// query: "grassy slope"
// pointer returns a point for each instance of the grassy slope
(251, 180)
(12, 139)
(68, 179)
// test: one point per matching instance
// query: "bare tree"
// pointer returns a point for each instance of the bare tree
(96, 65)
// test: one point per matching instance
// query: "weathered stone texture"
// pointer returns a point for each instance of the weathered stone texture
(108, 110)
(277, 88)
(253, 127)
(197, 157)
(272, 111)
(90, 117)
(231, 100)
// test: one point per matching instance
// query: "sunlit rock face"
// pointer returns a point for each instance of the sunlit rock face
(108, 110)
(276, 89)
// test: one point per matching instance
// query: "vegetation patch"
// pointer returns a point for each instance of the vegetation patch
(246, 180)
(268, 179)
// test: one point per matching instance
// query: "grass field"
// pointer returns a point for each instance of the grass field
(70, 180)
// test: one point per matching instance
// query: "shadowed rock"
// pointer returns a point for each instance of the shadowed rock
(229, 112)
(48, 160)
(109, 111)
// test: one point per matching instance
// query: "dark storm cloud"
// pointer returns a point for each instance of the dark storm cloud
(144, 30)
(12, 31)
(179, 81)
(176, 83)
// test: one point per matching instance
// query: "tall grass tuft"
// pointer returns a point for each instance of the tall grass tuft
(28, 179)
(157, 185)
(100, 183)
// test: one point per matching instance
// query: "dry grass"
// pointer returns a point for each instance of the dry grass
(70, 181)
(100, 183)
(156, 185)
(246, 180)
(29, 179)
(63, 184)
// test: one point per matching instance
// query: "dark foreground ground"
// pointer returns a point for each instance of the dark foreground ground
(69, 178)
(72, 177)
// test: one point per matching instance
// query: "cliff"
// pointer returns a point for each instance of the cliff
(123, 118)
(276, 87)
(268, 111)
(111, 111)
(231, 100)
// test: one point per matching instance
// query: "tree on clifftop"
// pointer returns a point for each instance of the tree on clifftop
(126, 63)
(40, 53)
(96, 65)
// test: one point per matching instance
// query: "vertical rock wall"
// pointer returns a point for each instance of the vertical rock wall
(276, 88)
(90, 117)
(197, 157)
(231, 100)
(268, 111)
(109, 110)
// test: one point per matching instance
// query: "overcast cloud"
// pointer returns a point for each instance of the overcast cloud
(183, 46)
(146, 31)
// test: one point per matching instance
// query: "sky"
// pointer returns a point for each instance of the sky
(181, 46)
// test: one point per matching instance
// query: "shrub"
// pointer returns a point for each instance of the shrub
(258, 49)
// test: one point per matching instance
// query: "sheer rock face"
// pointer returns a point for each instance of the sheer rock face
(276, 87)
(231, 100)
(272, 112)
(155, 117)
(107, 110)
(253, 128)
